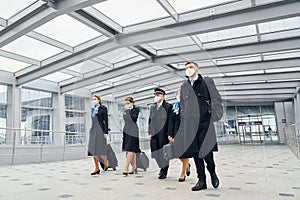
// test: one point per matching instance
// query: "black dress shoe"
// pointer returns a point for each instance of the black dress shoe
(189, 172)
(125, 173)
(96, 172)
(200, 185)
(162, 176)
(214, 180)
(181, 179)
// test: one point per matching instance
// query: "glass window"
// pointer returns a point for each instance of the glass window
(267, 109)
(74, 103)
(75, 122)
(248, 110)
(36, 98)
(36, 114)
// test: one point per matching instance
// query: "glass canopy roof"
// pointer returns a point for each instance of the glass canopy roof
(124, 47)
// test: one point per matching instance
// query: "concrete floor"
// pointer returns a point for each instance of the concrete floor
(245, 172)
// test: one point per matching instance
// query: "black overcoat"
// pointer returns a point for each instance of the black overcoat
(195, 118)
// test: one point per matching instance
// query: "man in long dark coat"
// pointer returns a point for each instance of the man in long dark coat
(195, 120)
(158, 129)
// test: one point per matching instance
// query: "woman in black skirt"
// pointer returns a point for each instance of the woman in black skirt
(130, 135)
(98, 134)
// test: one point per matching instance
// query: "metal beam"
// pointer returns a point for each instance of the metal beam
(3, 22)
(39, 16)
(48, 40)
(222, 88)
(259, 77)
(237, 98)
(105, 76)
(142, 81)
(263, 86)
(169, 9)
(258, 92)
(247, 49)
(164, 76)
(20, 58)
(247, 16)
(215, 53)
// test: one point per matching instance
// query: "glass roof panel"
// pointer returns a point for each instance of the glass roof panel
(227, 34)
(189, 5)
(286, 69)
(10, 65)
(118, 55)
(282, 54)
(136, 11)
(57, 77)
(86, 67)
(31, 48)
(183, 41)
(238, 59)
(11, 7)
(62, 28)
(250, 72)
(279, 25)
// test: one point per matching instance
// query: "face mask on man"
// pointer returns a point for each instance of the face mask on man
(156, 99)
(189, 72)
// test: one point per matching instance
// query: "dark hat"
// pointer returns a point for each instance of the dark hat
(159, 91)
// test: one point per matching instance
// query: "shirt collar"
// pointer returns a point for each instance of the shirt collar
(194, 79)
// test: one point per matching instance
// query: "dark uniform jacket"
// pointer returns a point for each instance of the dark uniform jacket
(159, 126)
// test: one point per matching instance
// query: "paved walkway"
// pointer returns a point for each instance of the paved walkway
(245, 172)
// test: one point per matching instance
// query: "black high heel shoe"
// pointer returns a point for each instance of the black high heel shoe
(181, 179)
(125, 173)
(133, 171)
(189, 172)
(96, 172)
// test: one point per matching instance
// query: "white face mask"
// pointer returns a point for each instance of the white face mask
(93, 103)
(178, 97)
(189, 72)
(156, 99)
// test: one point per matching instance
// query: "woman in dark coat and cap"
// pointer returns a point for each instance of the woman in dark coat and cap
(130, 135)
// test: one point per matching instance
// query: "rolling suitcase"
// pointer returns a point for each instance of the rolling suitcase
(142, 161)
(111, 157)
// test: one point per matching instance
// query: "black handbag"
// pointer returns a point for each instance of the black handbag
(168, 151)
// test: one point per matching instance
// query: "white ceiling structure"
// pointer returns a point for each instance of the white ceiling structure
(119, 48)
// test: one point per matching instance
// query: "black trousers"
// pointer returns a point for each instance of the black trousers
(210, 164)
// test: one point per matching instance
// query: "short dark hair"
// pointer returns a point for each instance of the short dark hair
(191, 62)
(130, 99)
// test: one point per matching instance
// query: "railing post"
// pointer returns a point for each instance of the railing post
(64, 154)
(41, 150)
(13, 149)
